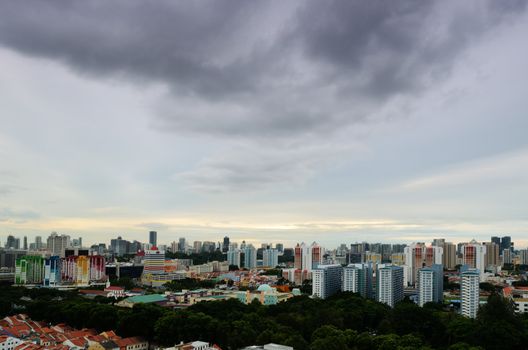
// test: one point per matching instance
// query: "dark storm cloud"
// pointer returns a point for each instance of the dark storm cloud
(257, 68)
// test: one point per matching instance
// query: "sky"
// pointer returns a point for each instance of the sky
(270, 121)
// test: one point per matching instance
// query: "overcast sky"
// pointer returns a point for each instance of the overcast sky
(270, 121)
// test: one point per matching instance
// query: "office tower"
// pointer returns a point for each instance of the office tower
(250, 257)
(469, 293)
(153, 238)
(417, 255)
(208, 246)
(280, 247)
(10, 242)
(25, 243)
(523, 254)
(375, 248)
(389, 285)
(225, 244)
(438, 242)
(38, 243)
(430, 284)
(357, 278)
(17, 243)
(58, 244)
(197, 246)
(182, 245)
(492, 253)
(474, 256)
(29, 270)
(233, 257)
(326, 280)
(506, 243)
(449, 258)
(154, 263)
(398, 248)
(119, 246)
(386, 252)
(174, 247)
(506, 257)
(496, 240)
(80, 241)
(270, 257)
(52, 271)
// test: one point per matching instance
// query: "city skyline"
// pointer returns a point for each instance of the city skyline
(285, 243)
(289, 122)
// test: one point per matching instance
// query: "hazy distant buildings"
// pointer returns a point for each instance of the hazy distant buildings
(233, 257)
(250, 257)
(57, 244)
(153, 238)
(225, 244)
(270, 257)
(197, 246)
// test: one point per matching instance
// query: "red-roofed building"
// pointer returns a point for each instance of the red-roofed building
(133, 343)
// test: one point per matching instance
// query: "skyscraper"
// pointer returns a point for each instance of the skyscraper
(58, 244)
(38, 242)
(389, 283)
(197, 246)
(250, 257)
(492, 253)
(182, 244)
(506, 243)
(153, 238)
(225, 244)
(270, 257)
(326, 280)
(430, 284)
(25, 243)
(233, 257)
(474, 256)
(11, 242)
(469, 293)
(417, 255)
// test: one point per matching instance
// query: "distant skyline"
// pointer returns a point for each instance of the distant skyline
(335, 122)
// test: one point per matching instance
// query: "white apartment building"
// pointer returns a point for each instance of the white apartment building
(389, 281)
(327, 280)
(469, 293)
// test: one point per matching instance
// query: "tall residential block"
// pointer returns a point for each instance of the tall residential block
(57, 244)
(270, 257)
(29, 270)
(474, 256)
(233, 257)
(430, 284)
(326, 280)
(389, 285)
(250, 257)
(357, 278)
(469, 293)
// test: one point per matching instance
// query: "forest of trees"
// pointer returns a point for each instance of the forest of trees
(345, 321)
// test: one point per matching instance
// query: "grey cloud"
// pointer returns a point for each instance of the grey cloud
(158, 226)
(254, 79)
(253, 169)
(18, 216)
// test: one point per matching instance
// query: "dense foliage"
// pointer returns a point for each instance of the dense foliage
(343, 322)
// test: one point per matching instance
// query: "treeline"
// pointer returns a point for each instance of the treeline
(343, 322)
